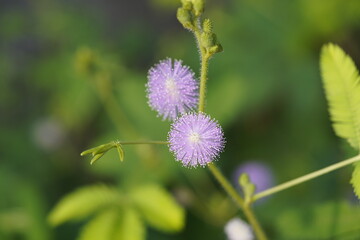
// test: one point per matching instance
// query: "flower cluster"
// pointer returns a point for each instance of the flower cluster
(172, 91)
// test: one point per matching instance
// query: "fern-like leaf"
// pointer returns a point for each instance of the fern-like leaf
(84, 202)
(342, 86)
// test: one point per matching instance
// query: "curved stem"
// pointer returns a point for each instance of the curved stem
(305, 178)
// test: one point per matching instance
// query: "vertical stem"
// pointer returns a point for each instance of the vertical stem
(203, 80)
(205, 57)
(260, 234)
(239, 201)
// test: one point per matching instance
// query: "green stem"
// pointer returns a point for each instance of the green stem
(226, 185)
(213, 169)
(239, 201)
(203, 80)
(141, 142)
(305, 178)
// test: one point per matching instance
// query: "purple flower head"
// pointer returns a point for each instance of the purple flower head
(172, 89)
(196, 139)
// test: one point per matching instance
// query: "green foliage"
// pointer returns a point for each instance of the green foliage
(332, 220)
(101, 226)
(158, 208)
(355, 179)
(84, 202)
(342, 86)
(114, 224)
(341, 83)
(131, 226)
(117, 218)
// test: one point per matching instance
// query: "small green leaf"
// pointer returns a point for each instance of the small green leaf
(130, 226)
(159, 208)
(120, 152)
(104, 148)
(101, 226)
(99, 151)
(355, 180)
(96, 157)
(84, 202)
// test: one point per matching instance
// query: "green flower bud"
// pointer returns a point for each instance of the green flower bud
(208, 40)
(216, 49)
(207, 25)
(187, 5)
(185, 18)
(198, 6)
(247, 186)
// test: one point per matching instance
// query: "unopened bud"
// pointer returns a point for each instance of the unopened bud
(186, 4)
(207, 25)
(199, 6)
(185, 18)
(216, 49)
(208, 40)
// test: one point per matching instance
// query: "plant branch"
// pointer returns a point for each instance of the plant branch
(203, 79)
(306, 177)
(142, 142)
(239, 201)
(246, 207)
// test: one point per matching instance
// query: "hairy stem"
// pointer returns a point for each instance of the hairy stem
(213, 169)
(203, 79)
(306, 177)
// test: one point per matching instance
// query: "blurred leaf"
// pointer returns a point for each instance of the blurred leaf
(341, 83)
(84, 202)
(130, 227)
(159, 209)
(226, 98)
(331, 220)
(101, 226)
(355, 179)
(113, 224)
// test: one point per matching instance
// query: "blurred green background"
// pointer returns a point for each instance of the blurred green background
(264, 89)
